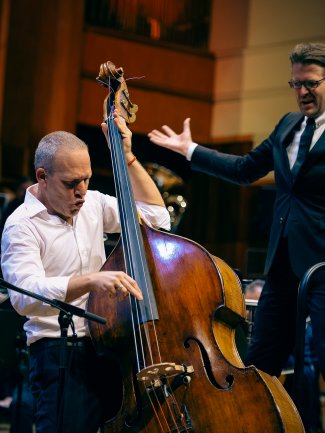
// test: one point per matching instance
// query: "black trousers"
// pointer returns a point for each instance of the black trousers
(91, 387)
(274, 331)
(22, 409)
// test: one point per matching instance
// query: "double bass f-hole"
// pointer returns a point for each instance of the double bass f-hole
(175, 350)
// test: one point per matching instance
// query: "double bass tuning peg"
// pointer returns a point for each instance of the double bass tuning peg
(123, 101)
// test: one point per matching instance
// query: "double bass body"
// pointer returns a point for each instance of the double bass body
(199, 302)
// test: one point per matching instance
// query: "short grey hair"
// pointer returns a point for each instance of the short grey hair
(51, 143)
(308, 53)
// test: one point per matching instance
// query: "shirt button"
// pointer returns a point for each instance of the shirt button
(281, 220)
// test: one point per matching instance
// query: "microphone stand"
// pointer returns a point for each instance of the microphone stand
(65, 320)
(21, 353)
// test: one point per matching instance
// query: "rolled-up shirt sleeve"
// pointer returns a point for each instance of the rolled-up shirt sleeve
(155, 216)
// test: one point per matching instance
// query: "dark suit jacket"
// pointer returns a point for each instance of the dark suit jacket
(300, 202)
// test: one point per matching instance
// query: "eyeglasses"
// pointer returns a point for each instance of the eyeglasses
(308, 84)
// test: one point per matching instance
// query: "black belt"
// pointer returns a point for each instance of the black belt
(52, 342)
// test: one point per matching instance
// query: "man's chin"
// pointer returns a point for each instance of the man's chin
(74, 212)
(308, 110)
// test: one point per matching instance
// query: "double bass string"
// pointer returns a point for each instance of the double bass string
(136, 312)
(159, 410)
(126, 196)
(113, 150)
(128, 214)
(120, 173)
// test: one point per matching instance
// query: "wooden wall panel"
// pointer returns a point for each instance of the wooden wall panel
(155, 109)
(41, 77)
(175, 84)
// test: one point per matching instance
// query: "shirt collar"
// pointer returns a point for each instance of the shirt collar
(319, 121)
(33, 205)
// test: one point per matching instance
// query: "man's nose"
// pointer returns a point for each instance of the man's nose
(81, 188)
(303, 90)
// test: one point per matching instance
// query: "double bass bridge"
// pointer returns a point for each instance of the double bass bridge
(155, 375)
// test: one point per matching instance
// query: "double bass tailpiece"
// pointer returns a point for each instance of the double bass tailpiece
(155, 375)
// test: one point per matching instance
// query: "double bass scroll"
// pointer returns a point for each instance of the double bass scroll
(108, 76)
(176, 353)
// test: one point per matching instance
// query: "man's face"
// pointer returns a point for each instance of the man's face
(310, 101)
(63, 192)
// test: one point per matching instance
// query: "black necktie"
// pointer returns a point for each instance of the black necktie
(304, 145)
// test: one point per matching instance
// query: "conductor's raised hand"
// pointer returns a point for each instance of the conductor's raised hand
(179, 143)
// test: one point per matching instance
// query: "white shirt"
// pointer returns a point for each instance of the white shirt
(190, 151)
(292, 149)
(40, 252)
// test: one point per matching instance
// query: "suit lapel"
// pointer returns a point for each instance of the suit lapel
(319, 143)
(315, 153)
(285, 138)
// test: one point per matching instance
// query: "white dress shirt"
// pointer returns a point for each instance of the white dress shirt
(40, 252)
(292, 148)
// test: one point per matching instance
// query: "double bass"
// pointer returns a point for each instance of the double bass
(175, 350)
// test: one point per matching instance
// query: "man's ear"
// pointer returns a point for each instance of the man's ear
(40, 175)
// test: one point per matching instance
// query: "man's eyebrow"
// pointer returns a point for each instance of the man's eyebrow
(77, 179)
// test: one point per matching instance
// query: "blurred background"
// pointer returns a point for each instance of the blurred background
(223, 63)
